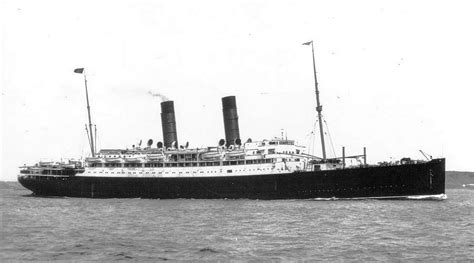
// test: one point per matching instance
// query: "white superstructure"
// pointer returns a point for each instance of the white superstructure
(252, 158)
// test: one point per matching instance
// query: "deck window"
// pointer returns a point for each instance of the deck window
(154, 165)
(132, 165)
(113, 165)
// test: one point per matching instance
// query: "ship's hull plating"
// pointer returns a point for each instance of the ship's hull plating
(387, 181)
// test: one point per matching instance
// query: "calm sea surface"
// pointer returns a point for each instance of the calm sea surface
(33, 228)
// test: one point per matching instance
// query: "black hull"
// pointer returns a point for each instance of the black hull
(380, 182)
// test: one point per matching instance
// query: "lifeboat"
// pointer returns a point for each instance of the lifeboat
(132, 159)
(113, 160)
(235, 154)
(46, 163)
(155, 156)
(93, 160)
(67, 165)
(211, 155)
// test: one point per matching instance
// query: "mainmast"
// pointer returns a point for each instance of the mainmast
(319, 108)
(81, 71)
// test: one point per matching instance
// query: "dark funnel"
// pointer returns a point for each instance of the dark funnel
(168, 123)
(231, 120)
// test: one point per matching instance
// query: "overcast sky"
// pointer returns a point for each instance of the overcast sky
(395, 76)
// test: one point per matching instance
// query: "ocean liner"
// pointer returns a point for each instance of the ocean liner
(276, 168)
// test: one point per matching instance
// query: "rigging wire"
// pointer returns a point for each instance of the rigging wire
(82, 149)
(88, 137)
(95, 138)
(330, 138)
(313, 138)
(309, 138)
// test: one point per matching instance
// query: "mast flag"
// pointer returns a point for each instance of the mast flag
(79, 70)
(308, 43)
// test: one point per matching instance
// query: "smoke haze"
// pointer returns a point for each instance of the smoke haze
(156, 94)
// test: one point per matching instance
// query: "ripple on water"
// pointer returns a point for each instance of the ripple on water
(160, 230)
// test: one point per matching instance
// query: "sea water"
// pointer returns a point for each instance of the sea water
(79, 229)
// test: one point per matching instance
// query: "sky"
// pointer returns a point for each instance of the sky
(394, 76)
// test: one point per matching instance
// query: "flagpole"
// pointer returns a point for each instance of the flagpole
(319, 108)
(89, 115)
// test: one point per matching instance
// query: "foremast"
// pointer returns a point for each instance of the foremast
(91, 140)
(319, 107)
